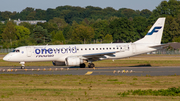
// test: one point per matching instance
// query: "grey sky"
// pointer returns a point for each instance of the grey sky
(19, 5)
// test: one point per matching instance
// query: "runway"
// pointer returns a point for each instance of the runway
(126, 71)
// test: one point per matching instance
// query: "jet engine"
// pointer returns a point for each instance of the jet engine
(73, 61)
(57, 63)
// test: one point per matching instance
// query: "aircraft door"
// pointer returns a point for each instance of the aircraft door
(29, 51)
(122, 48)
(133, 48)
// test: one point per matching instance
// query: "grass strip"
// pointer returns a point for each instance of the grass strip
(18, 87)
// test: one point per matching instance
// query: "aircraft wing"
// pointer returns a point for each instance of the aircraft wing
(97, 56)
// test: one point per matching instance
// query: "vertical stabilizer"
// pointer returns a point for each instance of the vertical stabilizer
(154, 35)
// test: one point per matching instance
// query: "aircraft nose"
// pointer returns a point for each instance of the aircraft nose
(6, 58)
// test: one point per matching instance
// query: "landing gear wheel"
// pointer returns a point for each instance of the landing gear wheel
(82, 65)
(22, 67)
(91, 65)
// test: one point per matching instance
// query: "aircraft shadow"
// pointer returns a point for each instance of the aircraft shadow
(143, 65)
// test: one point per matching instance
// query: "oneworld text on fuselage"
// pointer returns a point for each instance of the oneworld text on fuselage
(56, 50)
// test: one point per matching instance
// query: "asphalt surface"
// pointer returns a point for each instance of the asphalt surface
(128, 71)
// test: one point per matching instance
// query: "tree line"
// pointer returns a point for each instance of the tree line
(77, 25)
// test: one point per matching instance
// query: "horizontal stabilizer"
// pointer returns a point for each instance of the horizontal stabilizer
(157, 46)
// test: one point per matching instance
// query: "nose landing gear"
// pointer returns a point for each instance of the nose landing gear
(22, 65)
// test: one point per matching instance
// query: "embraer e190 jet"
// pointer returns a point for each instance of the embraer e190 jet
(78, 54)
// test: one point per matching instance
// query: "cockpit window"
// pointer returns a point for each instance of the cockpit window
(16, 50)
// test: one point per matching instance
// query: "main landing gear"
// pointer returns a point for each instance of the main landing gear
(22, 65)
(83, 65)
(90, 65)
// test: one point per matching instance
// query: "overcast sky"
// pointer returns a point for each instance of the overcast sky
(19, 5)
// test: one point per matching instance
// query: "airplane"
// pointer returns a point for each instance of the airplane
(79, 54)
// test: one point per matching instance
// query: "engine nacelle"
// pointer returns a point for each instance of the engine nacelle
(73, 61)
(57, 63)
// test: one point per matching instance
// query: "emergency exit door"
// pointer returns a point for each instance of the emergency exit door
(133, 48)
(29, 51)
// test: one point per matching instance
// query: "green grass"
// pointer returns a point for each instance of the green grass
(3, 53)
(18, 87)
(174, 91)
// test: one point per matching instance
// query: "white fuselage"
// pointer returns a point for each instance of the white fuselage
(61, 52)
